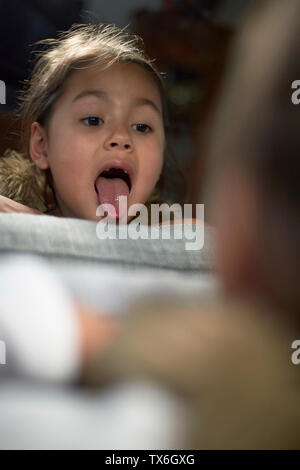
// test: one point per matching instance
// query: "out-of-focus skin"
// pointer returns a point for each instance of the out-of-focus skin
(97, 331)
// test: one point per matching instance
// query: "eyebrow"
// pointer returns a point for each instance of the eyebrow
(104, 96)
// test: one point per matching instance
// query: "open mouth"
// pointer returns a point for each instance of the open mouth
(116, 173)
(113, 186)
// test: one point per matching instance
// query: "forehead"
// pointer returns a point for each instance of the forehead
(120, 81)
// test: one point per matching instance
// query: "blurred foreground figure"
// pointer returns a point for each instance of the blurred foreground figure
(231, 361)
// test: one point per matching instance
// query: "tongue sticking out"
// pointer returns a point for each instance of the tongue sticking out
(109, 192)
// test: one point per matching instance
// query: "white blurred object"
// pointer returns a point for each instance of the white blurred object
(128, 416)
(37, 322)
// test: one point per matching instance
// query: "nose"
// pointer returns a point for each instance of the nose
(120, 139)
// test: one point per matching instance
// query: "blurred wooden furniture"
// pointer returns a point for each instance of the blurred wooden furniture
(197, 46)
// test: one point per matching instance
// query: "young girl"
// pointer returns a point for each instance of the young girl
(93, 127)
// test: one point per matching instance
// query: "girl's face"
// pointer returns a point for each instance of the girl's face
(103, 120)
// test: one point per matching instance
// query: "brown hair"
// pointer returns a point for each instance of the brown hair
(82, 46)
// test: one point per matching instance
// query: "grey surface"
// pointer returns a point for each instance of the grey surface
(75, 241)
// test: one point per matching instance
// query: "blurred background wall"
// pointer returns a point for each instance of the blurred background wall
(189, 39)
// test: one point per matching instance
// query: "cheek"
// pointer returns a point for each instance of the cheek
(152, 171)
(153, 160)
(68, 154)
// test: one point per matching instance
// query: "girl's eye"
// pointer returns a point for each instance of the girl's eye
(143, 128)
(92, 121)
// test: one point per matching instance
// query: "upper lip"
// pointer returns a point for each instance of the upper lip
(119, 163)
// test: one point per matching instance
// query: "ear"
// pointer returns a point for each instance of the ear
(38, 146)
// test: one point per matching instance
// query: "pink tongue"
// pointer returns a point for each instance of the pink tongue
(110, 190)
